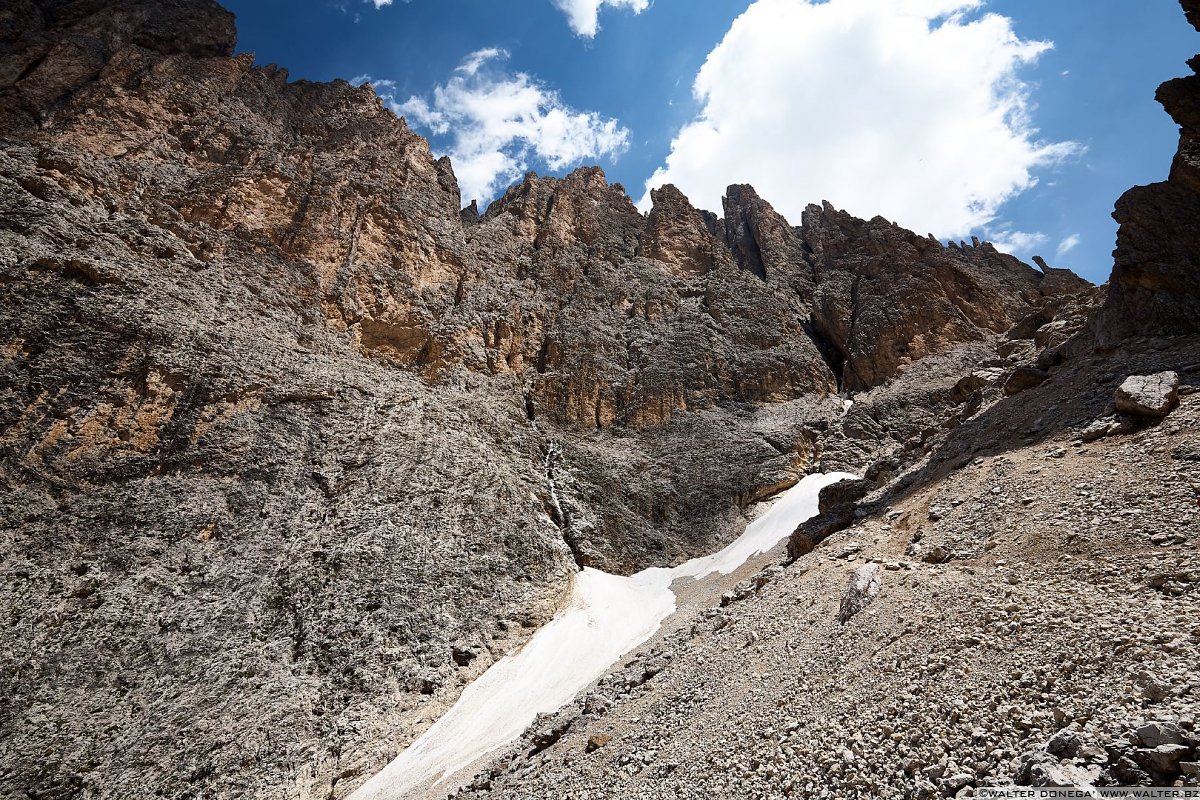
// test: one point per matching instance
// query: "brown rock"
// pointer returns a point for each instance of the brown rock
(596, 741)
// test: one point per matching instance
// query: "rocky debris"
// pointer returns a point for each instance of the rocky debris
(1108, 426)
(750, 586)
(1148, 395)
(1156, 752)
(861, 589)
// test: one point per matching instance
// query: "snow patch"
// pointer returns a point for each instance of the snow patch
(606, 617)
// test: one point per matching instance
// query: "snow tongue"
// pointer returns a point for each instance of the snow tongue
(605, 617)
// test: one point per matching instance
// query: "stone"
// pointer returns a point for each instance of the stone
(1024, 378)
(1153, 734)
(937, 555)
(949, 787)
(861, 590)
(1051, 773)
(836, 506)
(1098, 430)
(1065, 744)
(1161, 761)
(1148, 395)
(596, 741)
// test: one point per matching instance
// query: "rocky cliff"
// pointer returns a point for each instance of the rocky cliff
(291, 447)
(1155, 285)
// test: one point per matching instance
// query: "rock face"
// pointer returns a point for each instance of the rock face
(1155, 285)
(1148, 395)
(836, 505)
(294, 446)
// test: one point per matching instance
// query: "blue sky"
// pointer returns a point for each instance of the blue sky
(955, 117)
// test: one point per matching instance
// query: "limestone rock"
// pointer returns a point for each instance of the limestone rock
(870, 276)
(836, 505)
(861, 589)
(1148, 395)
(679, 236)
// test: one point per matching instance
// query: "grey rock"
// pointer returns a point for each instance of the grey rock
(836, 506)
(1153, 734)
(950, 786)
(1148, 395)
(1163, 761)
(861, 590)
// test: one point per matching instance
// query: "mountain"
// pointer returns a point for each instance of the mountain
(293, 447)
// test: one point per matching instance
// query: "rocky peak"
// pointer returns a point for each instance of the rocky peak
(679, 236)
(559, 212)
(886, 297)
(1057, 281)
(762, 241)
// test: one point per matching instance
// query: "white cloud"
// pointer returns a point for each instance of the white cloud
(910, 109)
(584, 15)
(1016, 243)
(499, 122)
(1068, 244)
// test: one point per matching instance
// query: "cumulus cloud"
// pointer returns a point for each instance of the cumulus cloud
(910, 109)
(500, 123)
(1068, 244)
(1017, 243)
(584, 15)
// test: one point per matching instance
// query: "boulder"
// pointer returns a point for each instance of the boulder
(862, 588)
(1148, 395)
(1162, 762)
(1153, 734)
(836, 507)
(1024, 378)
